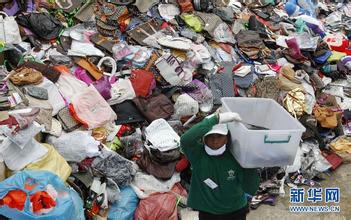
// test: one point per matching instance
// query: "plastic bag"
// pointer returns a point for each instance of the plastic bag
(68, 203)
(160, 205)
(186, 105)
(75, 146)
(9, 31)
(125, 208)
(16, 158)
(144, 185)
(91, 109)
(22, 137)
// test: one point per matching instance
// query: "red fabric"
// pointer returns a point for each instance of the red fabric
(41, 200)
(182, 165)
(141, 81)
(14, 199)
(124, 129)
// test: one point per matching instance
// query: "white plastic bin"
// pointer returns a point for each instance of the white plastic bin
(263, 148)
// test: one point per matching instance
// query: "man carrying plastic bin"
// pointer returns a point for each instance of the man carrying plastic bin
(218, 182)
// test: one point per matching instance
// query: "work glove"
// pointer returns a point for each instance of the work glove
(227, 117)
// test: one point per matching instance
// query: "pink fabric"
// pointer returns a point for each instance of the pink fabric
(82, 75)
(92, 109)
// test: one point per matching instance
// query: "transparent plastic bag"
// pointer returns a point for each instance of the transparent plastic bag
(69, 206)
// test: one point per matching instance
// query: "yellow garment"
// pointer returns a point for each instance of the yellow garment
(52, 162)
(336, 56)
(193, 22)
(326, 117)
(342, 144)
(294, 102)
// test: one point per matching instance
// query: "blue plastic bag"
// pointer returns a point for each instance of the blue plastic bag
(68, 203)
(124, 209)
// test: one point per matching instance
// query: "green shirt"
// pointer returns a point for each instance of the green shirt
(218, 183)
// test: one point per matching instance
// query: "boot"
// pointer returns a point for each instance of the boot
(294, 49)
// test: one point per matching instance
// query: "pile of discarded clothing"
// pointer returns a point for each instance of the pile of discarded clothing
(96, 94)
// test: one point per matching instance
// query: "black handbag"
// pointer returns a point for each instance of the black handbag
(42, 24)
(127, 113)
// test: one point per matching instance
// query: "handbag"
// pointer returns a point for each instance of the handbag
(155, 107)
(141, 81)
(163, 171)
(67, 121)
(42, 24)
(170, 69)
(9, 31)
(85, 12)
(103, 43)
(141, 32)
(110, 18)
(26, 76)
(127, 113)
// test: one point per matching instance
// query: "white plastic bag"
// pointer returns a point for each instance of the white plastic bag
(22, 137)
(9, 31)
(84, 49)
(186, 106)
(144, 184)
(170, 69)
(55, 97)
(16, 158)
(75, 146)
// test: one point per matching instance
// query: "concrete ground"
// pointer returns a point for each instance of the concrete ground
(340, 178)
